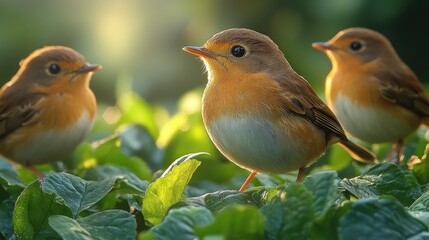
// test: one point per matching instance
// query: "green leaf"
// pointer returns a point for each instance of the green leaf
(421, 204)
(109, 224)
(128, 187)
(77, 193)
(217, 201)
(6, 217)
(68, 228)
(108, 152)
(11, 181)
(32, 210)
(5, 164)
(421, 169)
(380, 219)
(181, 160)
(122, 174)
(235, 222)
(180, 224)
(423, 216)
(168, 189)
(360, 187)
(137, 141)
(384, 179)
(291, 215)
(324, 186)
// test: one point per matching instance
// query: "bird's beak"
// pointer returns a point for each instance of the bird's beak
(88, 68)
(322, 46)
(199, 51)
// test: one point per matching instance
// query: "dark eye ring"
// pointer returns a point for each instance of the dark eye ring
(238, 51)
(355, 46)
(54, 68)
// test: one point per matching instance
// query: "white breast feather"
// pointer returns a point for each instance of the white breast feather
(366, 123)
(257, 146)
(55, 145)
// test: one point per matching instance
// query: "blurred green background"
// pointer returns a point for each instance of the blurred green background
(147, 80)
(139, 42)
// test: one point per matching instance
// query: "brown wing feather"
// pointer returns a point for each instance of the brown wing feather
(300, 98)
(17, 110)
(404, 89)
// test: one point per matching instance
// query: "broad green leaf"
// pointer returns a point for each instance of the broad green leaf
(109, 224)
(68, 228)
(180, 160)
(271, 180)
(134, 201)
(108, 152)
(32, 210)
(6, 216)
(384, 179)
(324, 186)
(137, 141)
(423, 216)
(421, 169)
(128, 188)
(359, 187)
(167, 190)
(11, 181)
(122, 174)
(235, 222)
(5, 164)
(421, 204)
(217, 201)
(291, 215)
(77, 193)
(180, 224)
(379, 219)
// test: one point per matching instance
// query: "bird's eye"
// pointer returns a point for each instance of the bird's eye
(54, 68)
(355, 46)
(238, 51)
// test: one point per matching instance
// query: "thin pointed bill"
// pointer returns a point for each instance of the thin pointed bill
(322, 46)
(199, 51)
(88, 68)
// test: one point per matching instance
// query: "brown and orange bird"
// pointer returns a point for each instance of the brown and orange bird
(259, 112)
(47, 108)
(374, 94)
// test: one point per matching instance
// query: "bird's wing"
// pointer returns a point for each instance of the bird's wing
(403, 88)
(299, 97)
(18, 110)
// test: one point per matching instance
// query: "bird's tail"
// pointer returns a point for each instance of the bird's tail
(358, 152)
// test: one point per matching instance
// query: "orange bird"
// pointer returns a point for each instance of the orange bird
(374, 94)
(47, 108)
(259, 112)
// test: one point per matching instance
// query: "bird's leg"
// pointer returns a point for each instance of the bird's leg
(248, 180)
(301, 173)
(399, 150)
(395, 154)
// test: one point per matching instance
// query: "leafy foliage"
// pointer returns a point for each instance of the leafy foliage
(151, 179)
